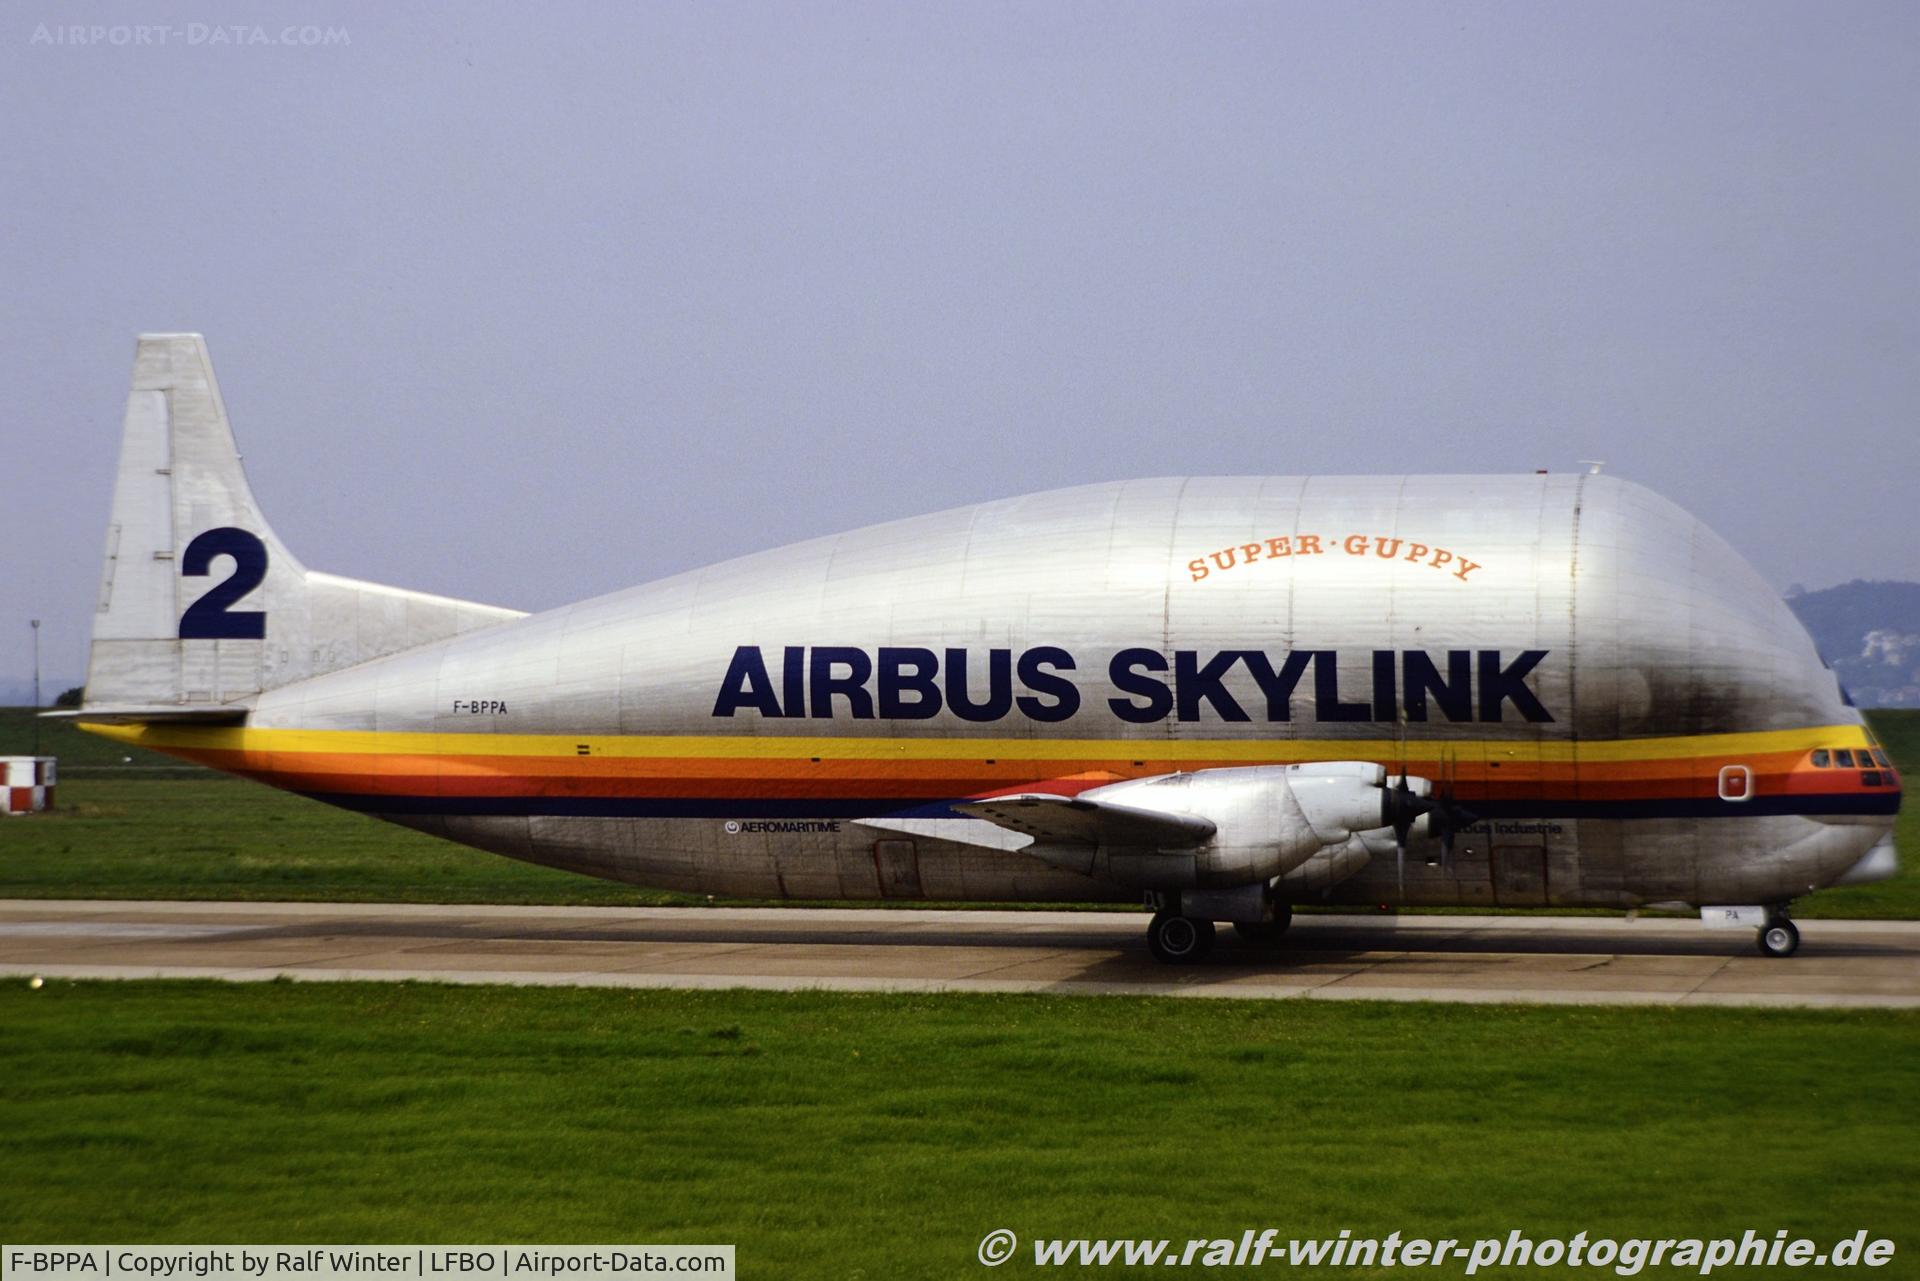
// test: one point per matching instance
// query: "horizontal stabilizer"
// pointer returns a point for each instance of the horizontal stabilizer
(173, 714)
(1072, 820)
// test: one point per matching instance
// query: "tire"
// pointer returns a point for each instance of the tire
(1779, 937)
(1179, 940)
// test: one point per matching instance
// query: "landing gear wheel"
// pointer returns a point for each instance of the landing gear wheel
(1779, 937)
(1266, 933)
(1179, 940)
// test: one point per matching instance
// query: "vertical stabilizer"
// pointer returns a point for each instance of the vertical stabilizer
(201, 606)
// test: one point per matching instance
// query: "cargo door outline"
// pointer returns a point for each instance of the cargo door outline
(897, 864)
(1517, 858)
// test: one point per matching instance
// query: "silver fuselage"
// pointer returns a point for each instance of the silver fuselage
(1628, 708)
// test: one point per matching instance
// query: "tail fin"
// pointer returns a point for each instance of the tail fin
(201, 605)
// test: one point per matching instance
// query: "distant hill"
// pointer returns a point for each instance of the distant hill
(1870, 632)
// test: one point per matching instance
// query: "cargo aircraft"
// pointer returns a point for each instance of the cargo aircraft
(1226, 696)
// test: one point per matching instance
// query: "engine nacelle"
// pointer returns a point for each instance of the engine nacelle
(1268, 820)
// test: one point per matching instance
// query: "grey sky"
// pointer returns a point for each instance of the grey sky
(524, 306)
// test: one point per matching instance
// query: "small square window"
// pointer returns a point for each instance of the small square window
(1736, 783)
(1844, 757)
(1820, 758)
(1881, 757)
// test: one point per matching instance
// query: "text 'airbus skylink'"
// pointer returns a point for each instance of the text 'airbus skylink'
(1228, 695)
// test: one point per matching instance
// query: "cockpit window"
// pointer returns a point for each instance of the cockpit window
(1881, 757)
(1820, 758)
(1844, 757)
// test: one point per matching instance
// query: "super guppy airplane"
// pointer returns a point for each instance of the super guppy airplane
(1227, 695)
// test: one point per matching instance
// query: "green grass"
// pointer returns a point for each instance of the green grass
(881, 1136)
(146, 828)
(207, 836)
(21, 731)
(130, 823)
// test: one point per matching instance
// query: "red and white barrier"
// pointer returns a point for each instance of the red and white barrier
(28, 784)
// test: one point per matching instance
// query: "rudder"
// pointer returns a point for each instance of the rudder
(201, 605)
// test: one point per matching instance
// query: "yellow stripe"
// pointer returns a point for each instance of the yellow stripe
(745, 747)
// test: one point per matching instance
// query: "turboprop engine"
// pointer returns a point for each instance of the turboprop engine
(1213, 829)
(1225, 844)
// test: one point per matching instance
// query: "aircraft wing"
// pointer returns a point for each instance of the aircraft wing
(961, 831)
(1072, 820)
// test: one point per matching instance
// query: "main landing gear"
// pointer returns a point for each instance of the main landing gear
(1779, 936)
(1179, 939)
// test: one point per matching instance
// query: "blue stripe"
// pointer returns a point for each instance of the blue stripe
(611, 806)
(1691, 807)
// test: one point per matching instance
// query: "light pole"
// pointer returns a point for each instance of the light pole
(36, 685)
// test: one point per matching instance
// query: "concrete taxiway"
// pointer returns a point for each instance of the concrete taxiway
(1587, 960)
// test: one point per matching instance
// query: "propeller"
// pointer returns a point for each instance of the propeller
(1449, 818)
(1401, 807)
(1398, 809)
